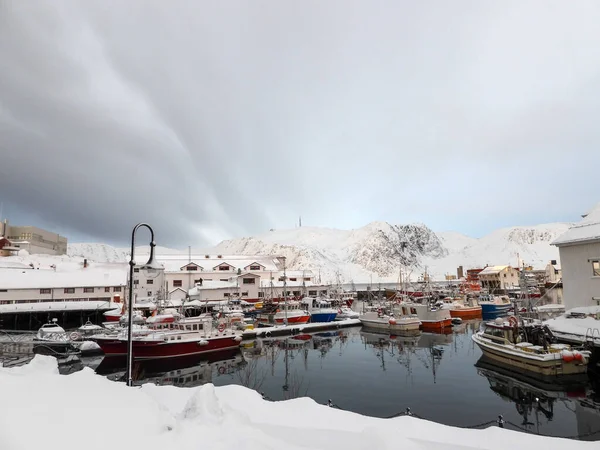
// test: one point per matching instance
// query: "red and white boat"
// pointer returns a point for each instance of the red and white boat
(461, 308)
(432, 318)
(291, 312)
(167, 337)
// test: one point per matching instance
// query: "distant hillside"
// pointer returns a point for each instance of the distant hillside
(376, 251)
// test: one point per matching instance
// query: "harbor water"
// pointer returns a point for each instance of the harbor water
(440, 377)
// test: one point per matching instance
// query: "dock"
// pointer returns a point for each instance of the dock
(289, 330)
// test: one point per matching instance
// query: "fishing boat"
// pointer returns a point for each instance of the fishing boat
(432, 318)
(529, 348)
(393, 320)
(291, 312)
(168, 339)
(460, 308)
(494, 304)
(320, 310)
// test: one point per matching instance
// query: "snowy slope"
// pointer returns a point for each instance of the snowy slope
(376, 251)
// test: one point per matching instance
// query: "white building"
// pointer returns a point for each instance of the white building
(27, 289)
(499, 278)
(579, 249)
(553, 272)
(183, 274)
(33, 239)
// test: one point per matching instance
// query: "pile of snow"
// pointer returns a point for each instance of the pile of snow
(37, 403)
(577, 325)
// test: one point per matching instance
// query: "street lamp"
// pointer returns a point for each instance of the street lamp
(151, 270)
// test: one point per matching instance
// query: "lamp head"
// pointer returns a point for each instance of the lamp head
(152, 268)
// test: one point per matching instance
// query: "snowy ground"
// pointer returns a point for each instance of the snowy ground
(40, 409)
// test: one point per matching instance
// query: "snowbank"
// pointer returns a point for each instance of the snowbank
(42, 409)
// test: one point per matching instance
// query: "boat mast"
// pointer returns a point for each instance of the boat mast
(285, 306)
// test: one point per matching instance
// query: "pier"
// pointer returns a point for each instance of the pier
(288, 330)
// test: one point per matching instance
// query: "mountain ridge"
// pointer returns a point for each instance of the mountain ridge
(377, 250)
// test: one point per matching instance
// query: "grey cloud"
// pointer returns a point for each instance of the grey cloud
(217, 119)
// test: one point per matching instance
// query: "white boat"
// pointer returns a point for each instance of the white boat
(346, 313)
(291, 312)
(51, 332)
(494, 304)
(320, 310)
(529, 349)
(392, 322)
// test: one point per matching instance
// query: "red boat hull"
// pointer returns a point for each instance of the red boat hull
(436, 325)
(160, 349)
(291, 320)
(466, 313)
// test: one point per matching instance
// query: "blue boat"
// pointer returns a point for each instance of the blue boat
(320, 310)
(493, 304)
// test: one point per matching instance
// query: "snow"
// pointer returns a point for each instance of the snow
(577, 329)
(167, 417)
(586, 230)
(91, 305)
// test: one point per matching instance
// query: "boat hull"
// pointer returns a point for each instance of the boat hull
(467, 313)
(155, 349)
(389, 327)
(322, 317)
(436, 325)
(546, 368)
(281, 320)
(494, 309)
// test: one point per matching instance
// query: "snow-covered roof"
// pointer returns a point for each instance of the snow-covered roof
(586, 230)
(28, 278)
(197, 290)
(173, 263)
(289, 284)
(491, 270)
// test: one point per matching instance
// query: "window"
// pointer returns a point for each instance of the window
(596, 268)
(191, 268)
(306, 278)
(136, 282)
(176, 283)
(261, 294)
(223, 279)
(312, 293)
(244, 294)
(254, 267)
(223, 267)
(293, 279)
(149, 281)
(117, 289)
(226, 294)
(249, 281)
(106, 289)
(69, 290)
(87, 290)
(280, 278)
(504, 275)
(44, 291)
(198, 281)
(136, 270)
(296, 293)
(149, 293)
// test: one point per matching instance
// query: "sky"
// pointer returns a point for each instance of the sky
(212, 120)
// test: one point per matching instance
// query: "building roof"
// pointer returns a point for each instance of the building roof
(491, 270)
(173, 262)
(28, 278)
(585, 231)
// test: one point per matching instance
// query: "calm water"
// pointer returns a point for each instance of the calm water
(377, 375)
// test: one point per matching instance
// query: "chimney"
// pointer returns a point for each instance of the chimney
(85, 264)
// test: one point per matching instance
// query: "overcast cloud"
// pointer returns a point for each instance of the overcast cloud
(214, 119)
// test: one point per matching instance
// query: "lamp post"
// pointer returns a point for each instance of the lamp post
(151, 269)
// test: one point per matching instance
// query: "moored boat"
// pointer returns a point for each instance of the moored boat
(290, 312)
(190, 336)
(320, 310)
(530, 348)
(432, 318)
(462, 308)
(494, 304)
(395, 321)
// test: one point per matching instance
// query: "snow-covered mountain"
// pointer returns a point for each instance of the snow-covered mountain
(378, 250)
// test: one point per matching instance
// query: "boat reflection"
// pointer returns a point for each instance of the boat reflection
(185, 371)
(533, 399)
